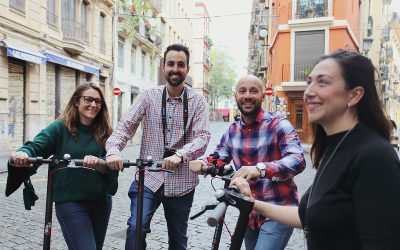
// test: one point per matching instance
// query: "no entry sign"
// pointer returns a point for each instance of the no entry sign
(269, 91)
(116, 91)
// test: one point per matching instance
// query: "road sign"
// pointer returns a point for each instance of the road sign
(269, 91)
(116, 91)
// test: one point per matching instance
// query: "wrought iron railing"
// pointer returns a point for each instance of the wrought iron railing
(51, 18)
(17, 5)
(74, 31)
(300, 72)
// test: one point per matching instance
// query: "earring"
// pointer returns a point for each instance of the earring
(348, 105)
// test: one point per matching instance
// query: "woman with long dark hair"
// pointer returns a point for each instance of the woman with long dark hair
(82, 197)
(354, 200)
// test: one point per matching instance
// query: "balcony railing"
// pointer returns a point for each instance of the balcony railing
(52, 19)
(300, 70)
(311, 9)
(74, 31)
(18, 5)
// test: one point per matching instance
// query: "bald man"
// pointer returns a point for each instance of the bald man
(262, 146)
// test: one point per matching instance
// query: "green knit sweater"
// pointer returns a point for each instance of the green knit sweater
(73, 184)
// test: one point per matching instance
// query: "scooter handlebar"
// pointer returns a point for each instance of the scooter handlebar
(217, 214)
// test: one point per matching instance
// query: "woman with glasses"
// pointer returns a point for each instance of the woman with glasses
(82, 197)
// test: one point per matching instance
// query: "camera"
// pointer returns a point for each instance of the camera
(168, 152)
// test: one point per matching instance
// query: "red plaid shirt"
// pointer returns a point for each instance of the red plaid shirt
(272, 140)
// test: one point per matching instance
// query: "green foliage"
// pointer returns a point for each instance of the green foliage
(131, 13)
(222, 77)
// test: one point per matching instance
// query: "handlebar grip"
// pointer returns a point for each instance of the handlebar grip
(217, 214)
(127, 164)
(34, 159)
(78, 162)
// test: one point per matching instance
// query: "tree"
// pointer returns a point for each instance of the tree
(222, 76)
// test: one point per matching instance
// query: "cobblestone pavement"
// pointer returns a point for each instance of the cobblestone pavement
(22, 229)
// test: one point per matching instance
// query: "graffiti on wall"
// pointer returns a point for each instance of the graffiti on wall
(2, 126)
(281, 106)
(12, 110)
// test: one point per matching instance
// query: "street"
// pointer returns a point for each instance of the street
(23, 229)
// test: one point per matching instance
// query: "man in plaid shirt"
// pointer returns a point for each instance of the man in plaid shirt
(262, 146)
(162, 111)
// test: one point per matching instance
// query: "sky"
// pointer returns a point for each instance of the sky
(230, 33)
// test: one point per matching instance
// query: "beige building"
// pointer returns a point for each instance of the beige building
(137, 54)
(176, 27)
(201, 50)
(47, 49)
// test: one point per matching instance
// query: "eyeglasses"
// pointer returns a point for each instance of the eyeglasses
(89, 100)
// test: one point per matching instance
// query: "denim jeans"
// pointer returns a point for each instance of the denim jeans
(271, 236)
(176, 212)
(84, 223)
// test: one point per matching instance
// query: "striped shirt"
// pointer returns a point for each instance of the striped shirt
(147, 109)
(272, 140)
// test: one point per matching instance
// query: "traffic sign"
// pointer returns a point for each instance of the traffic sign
(269, 91)
(116, 91)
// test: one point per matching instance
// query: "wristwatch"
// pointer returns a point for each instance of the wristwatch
(261, 167)
(179, 155)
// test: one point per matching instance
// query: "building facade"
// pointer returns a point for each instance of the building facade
(47, 49)
(301, 31)
(201, 50)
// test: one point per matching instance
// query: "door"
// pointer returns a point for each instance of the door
(299, 119)
(16, 103)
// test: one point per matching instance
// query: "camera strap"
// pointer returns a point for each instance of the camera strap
(164, 113)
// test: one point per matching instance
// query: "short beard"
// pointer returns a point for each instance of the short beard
(175, 83)
(254, 112)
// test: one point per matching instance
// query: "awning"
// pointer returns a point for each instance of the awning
(223, 112)
(24, 53)
(72, 63)
(135, 90)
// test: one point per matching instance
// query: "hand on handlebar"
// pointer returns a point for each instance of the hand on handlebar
(19, 159)
(114, 162)
(171, 162)
(196, 166)
(248, 172)
(241, 184)
(90, 161)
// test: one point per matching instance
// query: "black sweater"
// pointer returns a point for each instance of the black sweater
(356, 202)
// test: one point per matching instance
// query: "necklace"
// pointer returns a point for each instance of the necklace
(312, 188)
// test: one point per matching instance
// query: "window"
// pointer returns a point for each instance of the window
(133, 59)
(121, 45)
(102, 41)
(84, 18)
(51, 16)
(143, 64)
(309, 46)
(18, 5)
(151, 69)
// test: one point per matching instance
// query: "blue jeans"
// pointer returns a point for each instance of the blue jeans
(84, 223)
(271, 236)
(176, 212)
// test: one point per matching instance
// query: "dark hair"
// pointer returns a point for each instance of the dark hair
(101, 125)
(357, 70)
(178, 47)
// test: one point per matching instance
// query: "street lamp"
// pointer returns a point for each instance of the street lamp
(367, 44)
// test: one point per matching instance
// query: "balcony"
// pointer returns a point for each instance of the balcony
(18, 6)
(300, 72)
(74, 35)
(52, 19)
(311, 9)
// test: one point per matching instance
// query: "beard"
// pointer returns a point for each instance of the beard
(178, 80)
(253, 112)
